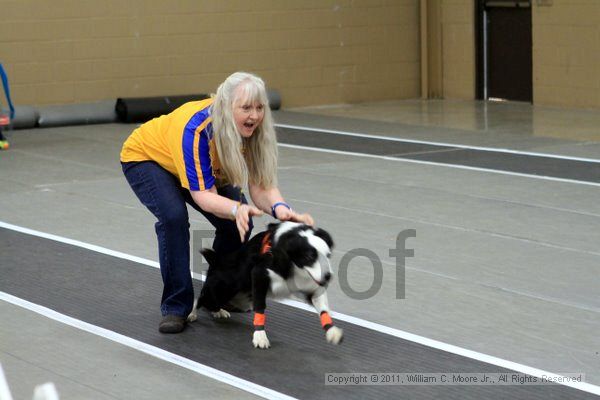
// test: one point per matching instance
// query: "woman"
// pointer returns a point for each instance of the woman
(203, 154)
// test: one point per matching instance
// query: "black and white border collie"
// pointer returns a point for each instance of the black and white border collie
(287, 259)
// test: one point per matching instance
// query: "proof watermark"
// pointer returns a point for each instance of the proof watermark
(449, 378)
(203, 238)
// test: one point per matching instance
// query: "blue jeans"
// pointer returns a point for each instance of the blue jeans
(161, 192)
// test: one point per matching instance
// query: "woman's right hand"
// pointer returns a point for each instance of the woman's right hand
(242, 218)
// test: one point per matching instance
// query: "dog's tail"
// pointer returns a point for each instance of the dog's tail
(210, 256)
(219, 261)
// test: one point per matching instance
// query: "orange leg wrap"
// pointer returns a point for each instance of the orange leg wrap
(326, 321)
(259, 319)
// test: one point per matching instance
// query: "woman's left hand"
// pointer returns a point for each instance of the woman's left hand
(283, 214)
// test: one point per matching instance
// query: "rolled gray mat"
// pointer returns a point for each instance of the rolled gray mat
(26, 117)
(101, 112)
(142, 109)
(274, 99)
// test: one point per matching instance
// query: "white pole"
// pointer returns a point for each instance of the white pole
(47, 391)
(4, 391)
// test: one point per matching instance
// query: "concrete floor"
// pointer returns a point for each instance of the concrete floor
(504, 265)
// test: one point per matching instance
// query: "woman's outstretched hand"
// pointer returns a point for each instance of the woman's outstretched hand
(284, 214)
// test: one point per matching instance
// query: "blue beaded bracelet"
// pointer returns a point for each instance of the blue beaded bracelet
(281, 203)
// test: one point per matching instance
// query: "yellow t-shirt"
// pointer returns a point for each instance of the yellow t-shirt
(181, 142)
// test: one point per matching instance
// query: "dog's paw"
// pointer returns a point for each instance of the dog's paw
(221, 314)
(334, 335)
(260, 340)
(193, 316)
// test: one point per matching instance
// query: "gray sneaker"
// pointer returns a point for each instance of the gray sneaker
(171, 324)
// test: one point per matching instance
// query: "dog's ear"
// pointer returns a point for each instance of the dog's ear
(286, 250)
(325, 236)
(210, 256)
(292, 244)
(299, 250)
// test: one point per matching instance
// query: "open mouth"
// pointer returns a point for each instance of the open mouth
(318, 282)
(321, 276)
(249, 125)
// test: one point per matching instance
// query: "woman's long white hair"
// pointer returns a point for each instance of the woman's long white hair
(257, 163)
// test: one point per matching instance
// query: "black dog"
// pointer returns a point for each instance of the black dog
(288, 258)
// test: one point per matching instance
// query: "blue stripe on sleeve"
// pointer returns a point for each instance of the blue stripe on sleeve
(187, 143)
(205, 161)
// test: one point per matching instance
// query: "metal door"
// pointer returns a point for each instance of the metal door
(505, 50)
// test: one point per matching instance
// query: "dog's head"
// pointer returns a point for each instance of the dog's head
(308, 249)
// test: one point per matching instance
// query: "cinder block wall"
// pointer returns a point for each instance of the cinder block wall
(566, 53)
(458, 49)
(313, 51)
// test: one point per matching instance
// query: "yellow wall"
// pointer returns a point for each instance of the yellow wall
(312, 51)
(458, 49)
(566, 53)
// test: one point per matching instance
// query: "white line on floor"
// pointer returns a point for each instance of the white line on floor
(583, 386)
(438, 164)
(459, 146)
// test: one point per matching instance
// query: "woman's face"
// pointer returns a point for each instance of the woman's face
(247, 115)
